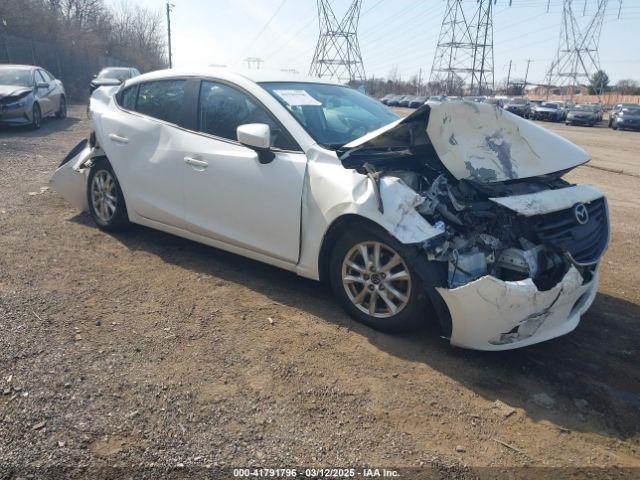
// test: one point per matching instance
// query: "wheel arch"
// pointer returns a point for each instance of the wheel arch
(332, 234)
(431, 274)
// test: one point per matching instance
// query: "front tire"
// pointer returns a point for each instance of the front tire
(36, 117)
(376, 285)
(105, 198)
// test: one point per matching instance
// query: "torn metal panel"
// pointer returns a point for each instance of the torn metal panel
(478, 141)
(549, 200)
(474, 141)
(70, 178)
(491, 314)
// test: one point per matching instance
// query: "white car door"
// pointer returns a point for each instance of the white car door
(139, 137)
(229, 195)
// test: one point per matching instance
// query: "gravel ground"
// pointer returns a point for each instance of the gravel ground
(143, 350)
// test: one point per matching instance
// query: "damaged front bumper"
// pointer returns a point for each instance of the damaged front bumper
(491, 314)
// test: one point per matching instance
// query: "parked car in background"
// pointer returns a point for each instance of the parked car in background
(549, 111)
(323, 181)
(439, 98)
(476, 98)
(397, 102)
(518, 106)
(617, 109)
(597, 107)
(394, 101)
(535, 102)
(498, 102)
(628, 118)
(564, 107)
(386, 98)
(406, 100)
(417, 101)
(111, 76)
(29, 94)
(583, 114)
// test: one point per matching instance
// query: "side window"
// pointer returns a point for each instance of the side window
(222, 109)
(127, 98)
(47, 77)
(162, 99)
(40, 77)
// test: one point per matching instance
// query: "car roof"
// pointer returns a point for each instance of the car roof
(18, 67)
(256, 76)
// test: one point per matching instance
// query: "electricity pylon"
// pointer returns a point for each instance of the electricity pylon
(577, 57)
(337, 55)
(454, 52)
(463, 62)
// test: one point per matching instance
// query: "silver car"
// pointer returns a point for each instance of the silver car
(28, 94)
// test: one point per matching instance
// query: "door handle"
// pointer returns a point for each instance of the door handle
(118, 139)
(195, 162)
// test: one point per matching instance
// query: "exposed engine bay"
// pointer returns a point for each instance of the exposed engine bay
(481, 237)
(471, 181)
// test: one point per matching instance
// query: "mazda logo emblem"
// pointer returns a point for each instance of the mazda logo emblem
(581, 213)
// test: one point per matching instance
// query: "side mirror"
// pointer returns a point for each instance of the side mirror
(43, 84)
(257, 136)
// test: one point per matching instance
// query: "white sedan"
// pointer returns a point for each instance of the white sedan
(456, 214)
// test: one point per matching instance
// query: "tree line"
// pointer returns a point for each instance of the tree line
(129, 33)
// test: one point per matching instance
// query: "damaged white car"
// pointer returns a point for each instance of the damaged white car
(456, 213)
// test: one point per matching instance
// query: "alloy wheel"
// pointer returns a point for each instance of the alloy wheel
(376, 279)
(103, 195)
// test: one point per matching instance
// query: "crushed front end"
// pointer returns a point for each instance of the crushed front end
(516, 258)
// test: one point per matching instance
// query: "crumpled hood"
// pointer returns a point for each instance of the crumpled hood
(476, 141)
(13, 90)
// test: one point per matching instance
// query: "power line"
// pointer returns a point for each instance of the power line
(264, 28)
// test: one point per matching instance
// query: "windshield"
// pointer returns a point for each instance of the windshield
(585, 108)
(550, 105)
(518, 101)
(116, 73)
(632, 110)
(19, 77)
(332, 114)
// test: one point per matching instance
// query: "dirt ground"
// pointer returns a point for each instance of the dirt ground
(146, 350)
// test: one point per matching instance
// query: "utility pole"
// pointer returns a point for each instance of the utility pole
(419, 82)
(526, 75)
(509, 76)
(253, 61)
(169, 9)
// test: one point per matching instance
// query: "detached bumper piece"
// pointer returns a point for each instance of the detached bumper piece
(491, 314)
(70, 178)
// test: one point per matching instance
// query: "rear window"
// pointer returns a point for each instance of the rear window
(162, 99)
(127, 97)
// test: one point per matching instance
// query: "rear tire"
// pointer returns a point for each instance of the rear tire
(382, 291)
(106, 201)
(62, 110)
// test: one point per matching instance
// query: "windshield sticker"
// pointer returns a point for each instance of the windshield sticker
(297, 98)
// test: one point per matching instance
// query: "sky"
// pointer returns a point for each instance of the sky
(392, 33)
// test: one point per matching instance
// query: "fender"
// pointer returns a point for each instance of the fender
(331, 192)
